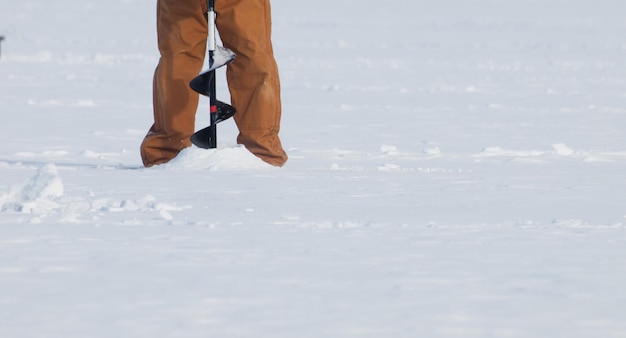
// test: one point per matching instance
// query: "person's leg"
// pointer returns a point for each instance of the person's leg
(182, 34)
(245, 28)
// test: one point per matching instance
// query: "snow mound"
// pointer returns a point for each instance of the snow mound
(223, 158)
(37, 194)
(562, 150)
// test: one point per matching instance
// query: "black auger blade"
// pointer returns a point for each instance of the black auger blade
(202, 138)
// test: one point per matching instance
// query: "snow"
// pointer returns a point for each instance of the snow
(229, 157)
(457, 169)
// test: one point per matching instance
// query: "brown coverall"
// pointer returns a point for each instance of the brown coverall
(245, 28)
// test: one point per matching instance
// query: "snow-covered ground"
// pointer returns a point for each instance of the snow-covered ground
(457, 169)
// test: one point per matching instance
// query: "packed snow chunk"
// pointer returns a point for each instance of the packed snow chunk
(562, 150)
(35, 195)
(432, 151)
(497, 151)
(390, 167)
(166, 215)
(389, 150)
(223, 158)
(46, 183)
(221, 56)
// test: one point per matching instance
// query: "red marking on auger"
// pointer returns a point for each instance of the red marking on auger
(213, 109)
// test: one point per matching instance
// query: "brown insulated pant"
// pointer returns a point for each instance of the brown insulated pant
(245, 28)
